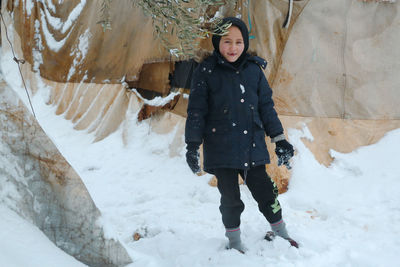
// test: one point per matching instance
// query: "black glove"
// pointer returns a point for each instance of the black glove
(284, 150)
(192, 157)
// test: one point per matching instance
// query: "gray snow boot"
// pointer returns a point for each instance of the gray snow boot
(233, 234)
(279, 229)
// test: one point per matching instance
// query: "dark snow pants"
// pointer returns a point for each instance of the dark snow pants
(262, 188)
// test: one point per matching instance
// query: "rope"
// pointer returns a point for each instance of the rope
(288, 15)
(249, 19)
(18, 61)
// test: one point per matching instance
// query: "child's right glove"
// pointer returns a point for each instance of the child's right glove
(284, 150)
(192, 157)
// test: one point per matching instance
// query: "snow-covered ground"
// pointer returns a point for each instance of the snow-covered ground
(344, 215)
(23, 244)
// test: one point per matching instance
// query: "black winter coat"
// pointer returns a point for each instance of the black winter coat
(230, 110)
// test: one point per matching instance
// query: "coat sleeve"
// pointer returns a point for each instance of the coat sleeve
(197, 107)
(269, 117)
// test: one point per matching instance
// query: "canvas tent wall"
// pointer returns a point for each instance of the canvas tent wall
(333, 69)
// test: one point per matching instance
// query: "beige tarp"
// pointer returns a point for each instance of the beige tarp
(339, 73)
(333, 70)
(342, 61)
(73, 46)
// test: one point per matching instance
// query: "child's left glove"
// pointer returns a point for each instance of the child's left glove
(192, 157)
(284, 150)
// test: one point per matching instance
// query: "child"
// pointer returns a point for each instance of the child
(230, 110)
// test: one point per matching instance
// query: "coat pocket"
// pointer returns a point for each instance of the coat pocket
(216, 139)
(217, 127)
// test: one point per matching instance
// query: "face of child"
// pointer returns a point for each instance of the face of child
(231, 45)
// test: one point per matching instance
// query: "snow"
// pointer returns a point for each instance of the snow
(242, 88)
(174, 52)
(38, 48)
(47, 20)
(79, 52)
(23, 244)
(158, 100)
(51, 42)
(346, 214)
(49, 5)
(29, 7)
(57, 23)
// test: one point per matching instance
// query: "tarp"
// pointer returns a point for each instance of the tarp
(67, 44)
(342, 60)
(333, 70)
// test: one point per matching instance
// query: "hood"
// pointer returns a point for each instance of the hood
(235, 22)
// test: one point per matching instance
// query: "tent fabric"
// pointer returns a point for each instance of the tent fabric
(333, 70)
(68, 45)
(341, 61)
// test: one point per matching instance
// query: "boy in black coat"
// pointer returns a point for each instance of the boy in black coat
(230, 110)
